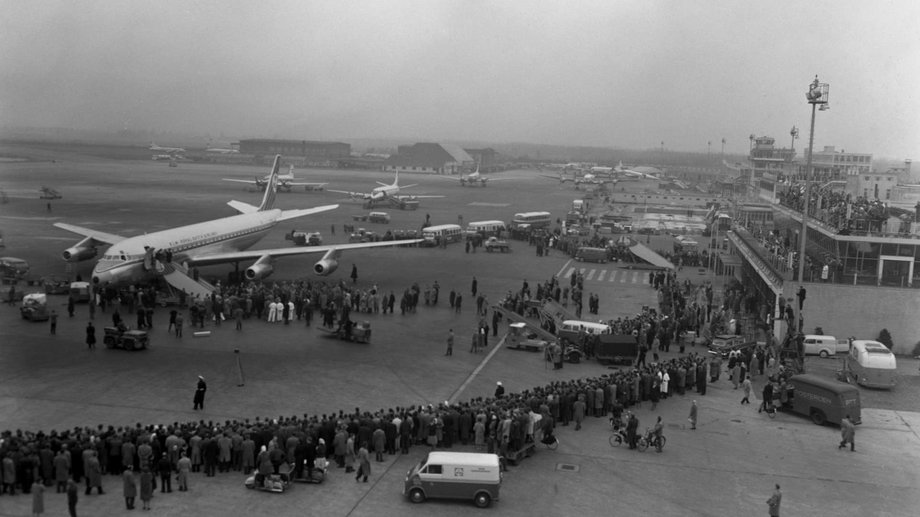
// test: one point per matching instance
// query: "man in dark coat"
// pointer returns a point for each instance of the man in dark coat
(632, 425)
(90, 336)
(199, 394)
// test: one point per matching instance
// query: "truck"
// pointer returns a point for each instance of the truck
(304, 238)
(493, 243)
(616, 348)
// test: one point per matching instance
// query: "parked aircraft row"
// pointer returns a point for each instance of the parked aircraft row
(170, 253)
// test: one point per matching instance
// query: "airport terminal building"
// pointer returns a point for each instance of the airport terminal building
(862, 266)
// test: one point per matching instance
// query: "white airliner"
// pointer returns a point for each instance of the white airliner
(384, 192)
(586, 179)
(168, 253)
(220, 150)
(474, 178)
(168, 150)
(286, 182)
(619, 169)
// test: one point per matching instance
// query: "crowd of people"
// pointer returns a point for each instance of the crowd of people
(839, 210)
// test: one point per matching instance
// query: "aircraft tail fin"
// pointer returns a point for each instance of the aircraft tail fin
(268, 200)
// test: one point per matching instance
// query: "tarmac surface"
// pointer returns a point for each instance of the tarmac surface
(726, 467)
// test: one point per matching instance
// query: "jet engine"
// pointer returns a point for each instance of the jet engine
(328, 263)
(83, 250)
(261, 269)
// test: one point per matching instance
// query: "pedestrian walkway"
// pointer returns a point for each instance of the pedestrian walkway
(609, 275)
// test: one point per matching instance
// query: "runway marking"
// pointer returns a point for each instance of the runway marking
(613, 275)
(590, 274)
(563, 268)
(481, 203)
(623, 280)
(485, 360)
(600, 277)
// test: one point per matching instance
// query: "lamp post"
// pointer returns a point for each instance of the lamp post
(794, 133)
(817, 95)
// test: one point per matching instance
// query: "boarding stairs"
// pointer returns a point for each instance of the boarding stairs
(513, 317)
(553, 312)
(177, 276)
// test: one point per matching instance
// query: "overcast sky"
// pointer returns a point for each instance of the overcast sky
(609, 73)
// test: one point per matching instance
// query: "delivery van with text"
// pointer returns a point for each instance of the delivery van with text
(455, 475)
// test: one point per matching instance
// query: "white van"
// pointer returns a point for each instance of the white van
(825, 346)
(871, 364)
(571, 329)
(487, 228)
(455, 475)
(442, 233)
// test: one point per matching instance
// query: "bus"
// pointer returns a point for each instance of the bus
(486, 228)
(532, 220)
(445, 233)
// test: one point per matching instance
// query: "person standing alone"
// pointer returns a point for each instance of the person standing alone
(199, 393)
(847, 434)
(450, 342)
(90, 336)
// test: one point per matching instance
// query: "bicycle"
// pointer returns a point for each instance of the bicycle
(618, 437)
(650, 439)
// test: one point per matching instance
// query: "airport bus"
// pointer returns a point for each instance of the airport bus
(446, 233)
(486, 228)
(532, 220)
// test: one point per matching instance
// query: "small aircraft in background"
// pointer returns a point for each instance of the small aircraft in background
(630, 173)
(220, 150)
(49, 193)
(474, 178)
(586, 179)
(167, 150)
(385, 193)
(286, 182)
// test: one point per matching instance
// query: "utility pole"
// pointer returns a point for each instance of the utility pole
(818, 94)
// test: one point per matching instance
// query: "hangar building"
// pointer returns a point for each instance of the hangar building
(430, 158)
(310, 149)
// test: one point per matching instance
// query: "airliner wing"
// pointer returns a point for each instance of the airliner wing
(291, 214)
(240, 256)
(417, 197)
(350, 194)
(315, 185)
(96, 235)
(250, 182)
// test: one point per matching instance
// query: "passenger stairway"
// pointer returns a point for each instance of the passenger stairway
(177, 276)
(553, 312)
(513, 317)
